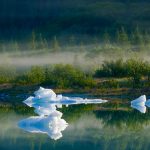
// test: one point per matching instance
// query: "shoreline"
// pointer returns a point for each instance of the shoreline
(6, 88)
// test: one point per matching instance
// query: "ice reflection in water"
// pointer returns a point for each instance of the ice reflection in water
(50, 120)
(142, 109)
(51, 125)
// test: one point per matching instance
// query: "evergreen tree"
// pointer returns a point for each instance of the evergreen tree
(45, 43)
(106, 39)
(55, 44)
(41, 42)
(122, 37)
(16, 46)
(147, 40)
(33, 41)
(137, 39)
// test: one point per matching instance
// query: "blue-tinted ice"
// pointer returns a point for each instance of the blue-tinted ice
(49, 120)
(51, 125)
(139, 104)
(45, 97)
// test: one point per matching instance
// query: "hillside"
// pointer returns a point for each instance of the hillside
(79, 17)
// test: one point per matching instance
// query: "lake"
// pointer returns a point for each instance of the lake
(108, 126)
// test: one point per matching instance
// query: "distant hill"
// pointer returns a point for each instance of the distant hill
(18, 18)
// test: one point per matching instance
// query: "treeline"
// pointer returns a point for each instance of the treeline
(80, 17)
(131, 73)
(137, 40)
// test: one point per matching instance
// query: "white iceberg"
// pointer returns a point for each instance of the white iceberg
(29, 101)
(51, 125)
(45, 97)
(43, 93)
(139, 104)
(147, 103)
(139, 101)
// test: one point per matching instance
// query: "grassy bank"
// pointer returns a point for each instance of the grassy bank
(132, 73)
(112, 78)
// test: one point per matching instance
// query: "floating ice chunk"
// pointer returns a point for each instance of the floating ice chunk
(43, 93)
(59, 97)
(63, 101)
(59, 105)
(46, 101)
(47, 97)
(77, 100)
(139, 104)
(35, 100)
(147, 103)
(51, 125)
(29, 101)
(139, 101)
(140, 108)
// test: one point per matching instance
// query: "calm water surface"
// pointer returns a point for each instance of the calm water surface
(111, 126)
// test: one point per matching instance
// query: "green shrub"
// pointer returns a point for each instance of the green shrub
(115, 68)
(133, 69)
(7, 73)
(137, 69)
(22, 79)
(65, 76)
(36, 75)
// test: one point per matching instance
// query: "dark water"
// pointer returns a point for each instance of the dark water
(111, 126)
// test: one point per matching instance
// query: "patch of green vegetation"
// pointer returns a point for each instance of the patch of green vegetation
(63, 76)
(58, 76)
(131, 73)
(133, 69)
(7, 73)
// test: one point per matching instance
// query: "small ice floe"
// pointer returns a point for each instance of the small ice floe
(43, 93)
(147, 103)
(47, 96)
(139, 101)
(29, 101)
(51, 125)
(139, 104)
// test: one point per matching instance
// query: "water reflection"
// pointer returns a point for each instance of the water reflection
(93, 129)
(51, 125)
(142, 109)
(50, 120)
